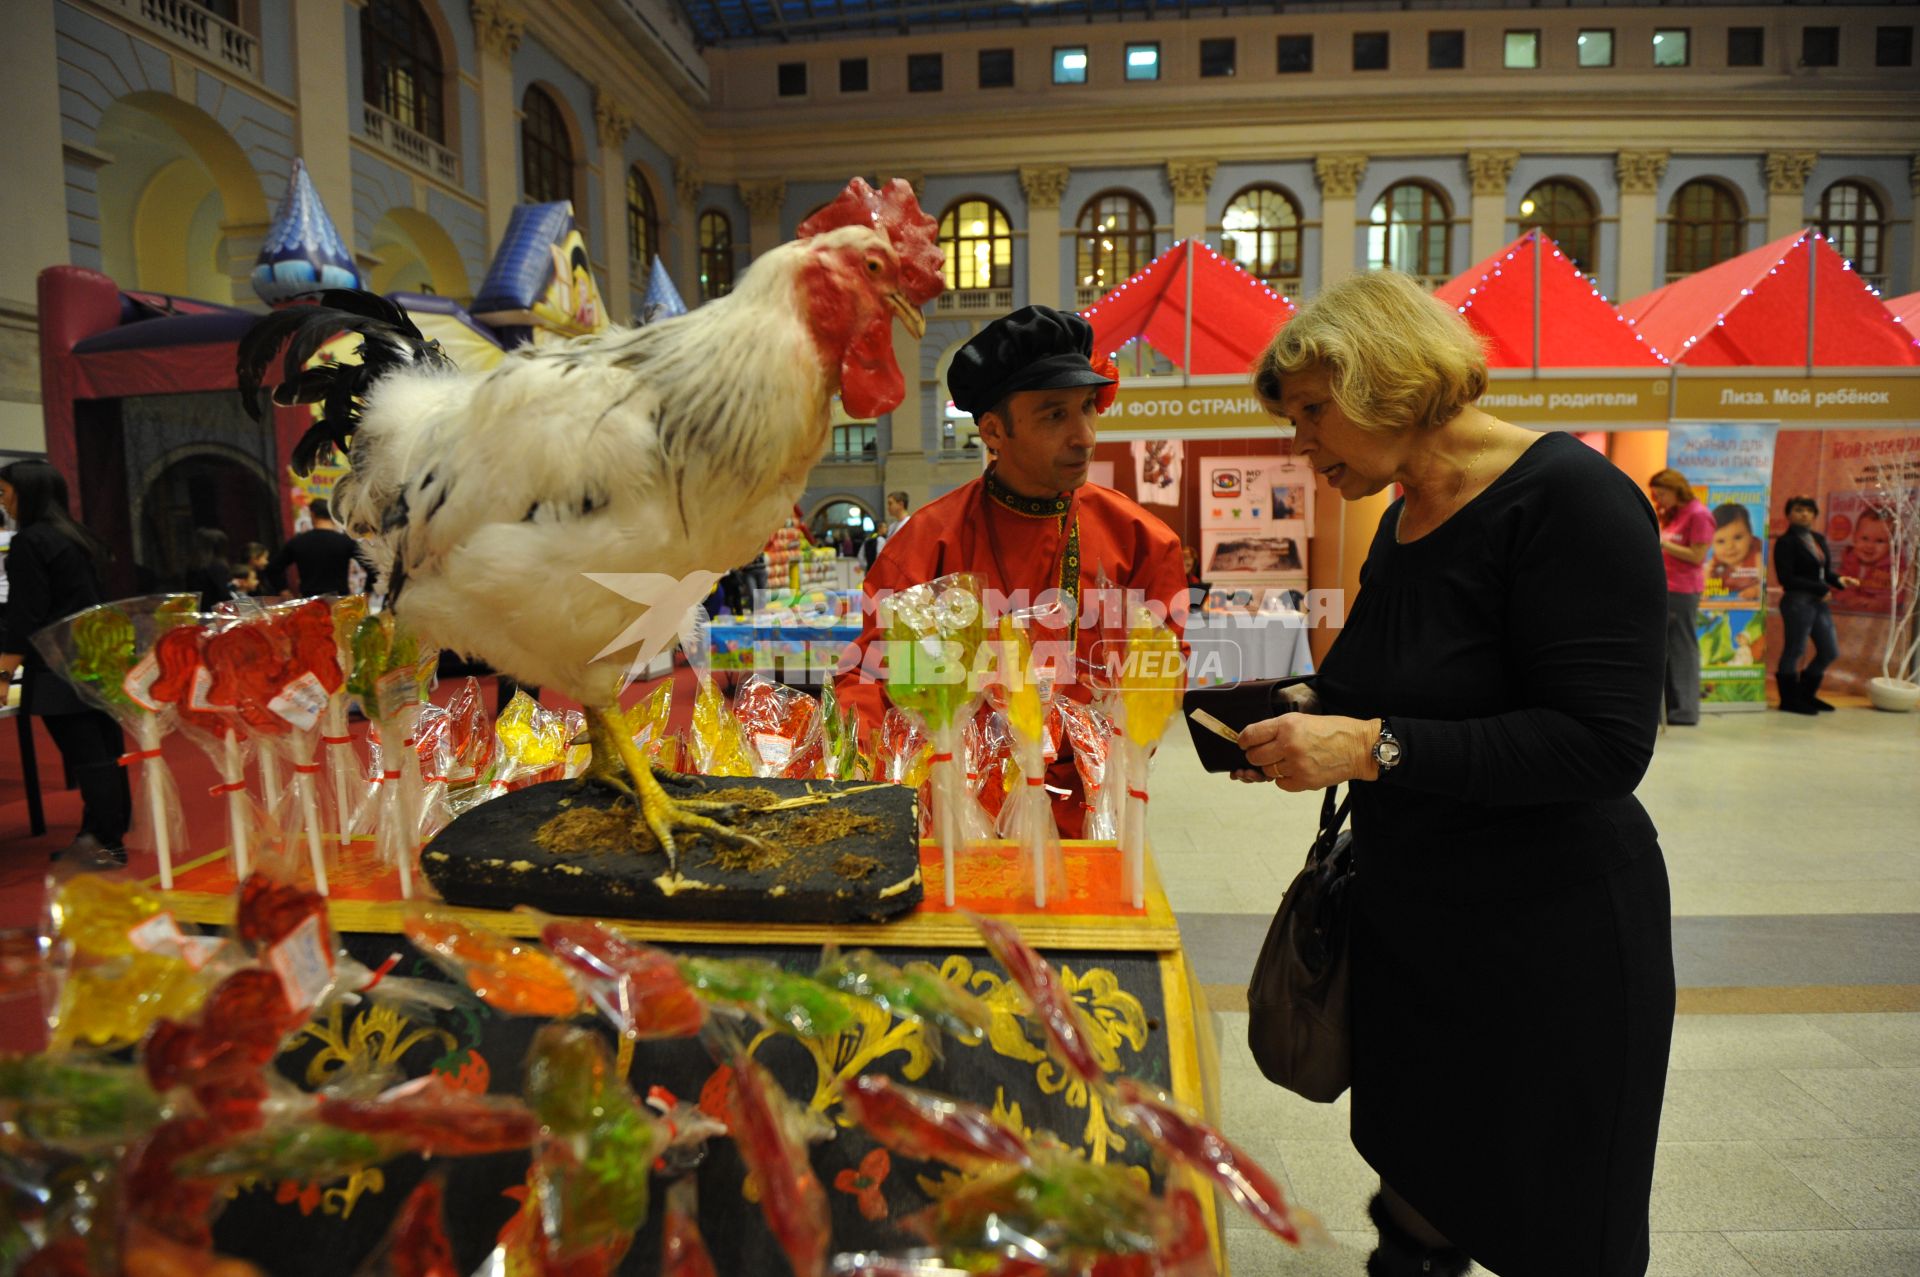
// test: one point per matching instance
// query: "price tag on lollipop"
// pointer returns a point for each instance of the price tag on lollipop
(138, 684)
(395, 690)
(301, 702)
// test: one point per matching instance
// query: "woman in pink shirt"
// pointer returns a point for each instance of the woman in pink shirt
(1686, 538)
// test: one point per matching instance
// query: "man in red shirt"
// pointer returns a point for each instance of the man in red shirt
(1032, 528)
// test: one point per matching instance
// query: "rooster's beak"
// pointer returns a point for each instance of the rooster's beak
(910, 316)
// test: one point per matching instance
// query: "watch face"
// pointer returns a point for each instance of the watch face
(1387, 752)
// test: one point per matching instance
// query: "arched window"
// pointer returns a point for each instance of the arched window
(1564, 213)
(1115, 240)
(1852, 217)
(546, 149)
(716, 254)
(643, 223)
(400, 72)
(1261, 231)
(1704, 227)
(1408, 231)
(978, 239)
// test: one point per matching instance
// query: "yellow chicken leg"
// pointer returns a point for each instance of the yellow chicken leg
(618, 762)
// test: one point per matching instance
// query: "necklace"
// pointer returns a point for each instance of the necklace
(1486, 437)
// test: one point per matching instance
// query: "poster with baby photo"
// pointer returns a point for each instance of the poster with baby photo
(1737, 562)
(1862, 545)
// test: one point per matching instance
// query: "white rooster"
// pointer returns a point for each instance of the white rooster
(675, 449)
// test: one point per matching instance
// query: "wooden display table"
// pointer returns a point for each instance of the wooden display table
(1125, 968)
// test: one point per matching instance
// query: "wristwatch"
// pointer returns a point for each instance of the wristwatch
(1386, 750)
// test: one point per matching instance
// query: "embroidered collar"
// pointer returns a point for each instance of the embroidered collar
(1033, 507)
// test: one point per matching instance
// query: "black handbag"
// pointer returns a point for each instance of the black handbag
(1298, 1010)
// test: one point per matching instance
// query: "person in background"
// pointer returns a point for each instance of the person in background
(1686, 537)
(208, 573)
(1804, 565)
(897, 504)
(258, 556)
(1493, 702)
(243, 581)
(320, 557)
(53, 571)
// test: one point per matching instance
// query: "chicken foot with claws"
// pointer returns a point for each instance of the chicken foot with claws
(619, 764)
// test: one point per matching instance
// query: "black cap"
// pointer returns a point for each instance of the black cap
(1034, 348)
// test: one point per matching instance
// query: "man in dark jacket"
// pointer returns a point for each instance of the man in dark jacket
(321, 556)
(1805, 568)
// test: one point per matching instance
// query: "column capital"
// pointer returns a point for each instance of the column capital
(612, 119)
(1490, 171)
(687, 182)
(1639, 172)
(763, 198)
(1191, 179)
(1788, 171)
(498, 26)
(1045, 185)
(1340, 175)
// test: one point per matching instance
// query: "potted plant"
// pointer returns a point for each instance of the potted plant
(1898, 687)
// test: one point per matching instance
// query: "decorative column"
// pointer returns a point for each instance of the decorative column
(687, 185)
(763, 200)
(1639, 174)
(323, 124)
(1490, 172)
(612, 121)
(1913, 255)
(1339, 177)
(497, 28)
(1787, 174)
(33, 202)
(1190, 181)
(1044, 185)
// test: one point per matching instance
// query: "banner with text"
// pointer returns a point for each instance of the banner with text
(1730, 468)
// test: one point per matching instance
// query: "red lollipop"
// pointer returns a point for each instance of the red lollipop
(249, 669)
(307, 630)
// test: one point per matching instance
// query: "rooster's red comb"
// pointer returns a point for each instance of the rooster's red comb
(892, 209)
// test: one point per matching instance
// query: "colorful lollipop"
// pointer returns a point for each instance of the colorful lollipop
(1150, 690)
(934, 635)
(767, 1132)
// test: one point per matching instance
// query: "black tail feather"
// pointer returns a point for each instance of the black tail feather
(390, 341)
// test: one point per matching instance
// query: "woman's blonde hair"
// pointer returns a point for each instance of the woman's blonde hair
(1396, 357)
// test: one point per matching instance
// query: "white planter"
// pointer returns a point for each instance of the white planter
(1896, 695)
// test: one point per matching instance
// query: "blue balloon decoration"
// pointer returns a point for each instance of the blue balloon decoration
(303, 252)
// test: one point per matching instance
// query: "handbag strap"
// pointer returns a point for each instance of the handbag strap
(1332, 818)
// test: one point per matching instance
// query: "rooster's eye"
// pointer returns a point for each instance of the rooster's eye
(873, 266)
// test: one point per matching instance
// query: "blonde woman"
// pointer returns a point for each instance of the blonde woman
(1494, 699)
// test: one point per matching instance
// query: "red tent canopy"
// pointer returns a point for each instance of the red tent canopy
(1754, 311)
(1535, 310)
(1234, 314)
(1908, 310)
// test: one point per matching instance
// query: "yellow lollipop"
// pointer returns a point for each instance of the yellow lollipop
(1154, 678)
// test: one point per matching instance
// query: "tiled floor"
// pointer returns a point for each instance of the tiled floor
(1790, 1143)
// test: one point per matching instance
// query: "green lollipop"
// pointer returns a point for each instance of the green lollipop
(103, 647)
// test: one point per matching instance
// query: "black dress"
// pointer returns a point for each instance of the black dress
(50, 577)
(1512, 954)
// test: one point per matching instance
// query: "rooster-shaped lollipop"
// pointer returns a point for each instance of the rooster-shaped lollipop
(660, 456)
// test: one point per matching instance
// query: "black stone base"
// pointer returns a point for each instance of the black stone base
(490, 859)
